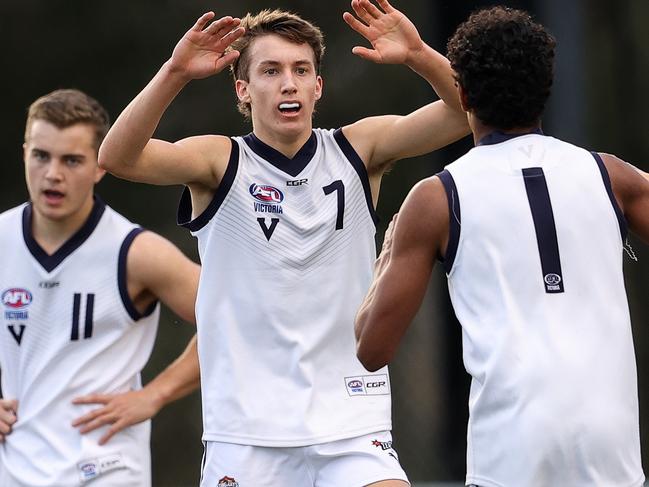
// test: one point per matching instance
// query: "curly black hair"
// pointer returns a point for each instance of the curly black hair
(504, 62)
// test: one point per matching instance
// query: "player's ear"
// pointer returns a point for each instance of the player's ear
(464, 99)
(318, 87)
(241, 87)
(99, 173)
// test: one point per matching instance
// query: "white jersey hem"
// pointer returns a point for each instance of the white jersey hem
(295, 442)
(475, 480)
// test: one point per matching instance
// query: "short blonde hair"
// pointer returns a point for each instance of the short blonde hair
(287, 25)
(64, 108)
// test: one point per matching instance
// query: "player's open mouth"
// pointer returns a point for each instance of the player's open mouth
(289, 108)
(53, 195)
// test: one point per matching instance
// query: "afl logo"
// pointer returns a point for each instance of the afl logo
(355, 384)
(266, 194)
(16, 298)
(552, 279)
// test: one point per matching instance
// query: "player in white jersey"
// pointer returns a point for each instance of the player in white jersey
(531, 231)
(80, 286)
(285, 224)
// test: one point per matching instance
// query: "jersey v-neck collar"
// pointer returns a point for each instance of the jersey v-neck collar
(50, 262)
(497, 137)
(293, 166)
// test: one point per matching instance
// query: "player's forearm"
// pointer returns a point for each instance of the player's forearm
(436, 69)
(178, 380)
(125, 142)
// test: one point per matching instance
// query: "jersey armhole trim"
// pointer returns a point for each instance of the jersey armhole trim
(184, 214)
(356, 162)
(121, 278)
(624, 229)
(454, 219)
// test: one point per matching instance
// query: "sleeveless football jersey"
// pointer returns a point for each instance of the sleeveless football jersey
(69, 329)
(534, 268)
(287, 251)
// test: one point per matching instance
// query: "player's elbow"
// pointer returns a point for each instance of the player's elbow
(111, 162)
(104, 161)
(373, 358)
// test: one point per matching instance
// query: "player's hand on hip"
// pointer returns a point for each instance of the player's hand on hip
(8, 408)
(393, 36)
(118, 410)
(202, 50)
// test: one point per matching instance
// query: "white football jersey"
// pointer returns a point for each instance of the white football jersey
(287, 251)
(69, 329)
(535, 276)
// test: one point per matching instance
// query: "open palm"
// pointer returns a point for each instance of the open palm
(202, 50)
(393, 37)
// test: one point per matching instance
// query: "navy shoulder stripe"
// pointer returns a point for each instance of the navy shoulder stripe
(356, 162)
(454, 219)
(121, 278)
(184, 215)
(624, 229)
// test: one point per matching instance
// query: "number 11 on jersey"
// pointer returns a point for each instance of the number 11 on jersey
(76, 311)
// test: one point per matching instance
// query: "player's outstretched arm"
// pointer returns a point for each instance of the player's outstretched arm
(155, 270)
(395, 40)
(412, 243)
(631, 189)
(123, 410)
(8, 408)
(128, 151)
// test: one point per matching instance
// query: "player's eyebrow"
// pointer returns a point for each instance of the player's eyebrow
(270, 62)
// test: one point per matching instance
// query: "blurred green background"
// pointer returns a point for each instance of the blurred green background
(111, 49)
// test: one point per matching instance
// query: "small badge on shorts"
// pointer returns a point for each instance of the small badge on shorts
(94, 467)
(227, 482)
(368, 385)
(386, 446)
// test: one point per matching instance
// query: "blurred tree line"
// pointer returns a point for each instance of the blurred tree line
(111, 49)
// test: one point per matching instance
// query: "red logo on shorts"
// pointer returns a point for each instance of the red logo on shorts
(383, 445)
(227, 482)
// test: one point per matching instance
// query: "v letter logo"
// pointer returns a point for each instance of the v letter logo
(18, 336)
(268, 231)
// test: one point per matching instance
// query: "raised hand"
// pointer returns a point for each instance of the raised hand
(8, 409)
(202, 50)
(117, 410)
(393, 36)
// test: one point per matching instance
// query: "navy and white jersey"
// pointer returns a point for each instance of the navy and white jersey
(287, 251)
(69, 329)
(534, 267)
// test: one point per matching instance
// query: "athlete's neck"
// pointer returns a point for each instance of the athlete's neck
(51, 233)
(287, 144)
(480, 130)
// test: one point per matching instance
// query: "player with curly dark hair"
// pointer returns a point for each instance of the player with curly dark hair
(504, 63)
(531, 232)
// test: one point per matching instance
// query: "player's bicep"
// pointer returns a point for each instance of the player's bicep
(399, 289)
(385, 139)
(631, 189)
(414, 250)
(197, 160)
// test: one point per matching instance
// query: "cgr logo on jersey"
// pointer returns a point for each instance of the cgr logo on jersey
(269, 198)
(368, 385)
(16, 298)
(227, 482)
(552, 281)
